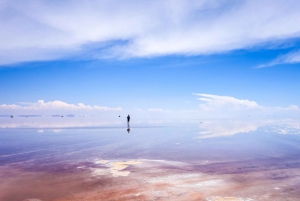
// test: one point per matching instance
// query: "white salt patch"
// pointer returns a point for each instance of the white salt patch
(276, 188)
(115, 168)
(174, 178)
(118, 166)
(218, 198)
(99, 172)
(101, 162)
(117, 173)
(210, 183)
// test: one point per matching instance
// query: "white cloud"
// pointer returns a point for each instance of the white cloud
(45, 30)
(12, 106)
(158, 110)
(290, 58)
(155, 110)
(41, 105)
(211, 106)
(215, 102)
(226, 106)
(216, 106)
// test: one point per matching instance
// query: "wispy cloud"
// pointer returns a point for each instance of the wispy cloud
(41, 105)
(45, 30)
(215, 102)
(290, 58)
(216, 105)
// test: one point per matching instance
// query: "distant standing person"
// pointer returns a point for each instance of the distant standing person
(128, 119)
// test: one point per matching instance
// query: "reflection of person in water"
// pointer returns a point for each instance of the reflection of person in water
(128, 119)
(128, 128)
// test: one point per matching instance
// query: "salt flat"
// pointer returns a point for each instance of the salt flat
(237, 160)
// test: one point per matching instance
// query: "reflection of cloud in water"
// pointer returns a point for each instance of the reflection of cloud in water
(285, 127)
(50, 130)
(226, 130)
(217, 128)
(87, 122)
(56, 130)
(156, 122)
(45, 122)
(56, 123)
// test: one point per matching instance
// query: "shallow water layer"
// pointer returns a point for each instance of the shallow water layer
(226, 159)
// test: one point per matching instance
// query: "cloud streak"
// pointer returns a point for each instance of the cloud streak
(45, 30)
(290, 58)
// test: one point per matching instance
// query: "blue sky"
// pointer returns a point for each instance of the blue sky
(183, 59)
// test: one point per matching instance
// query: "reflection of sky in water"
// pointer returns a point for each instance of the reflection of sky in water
(212, 140)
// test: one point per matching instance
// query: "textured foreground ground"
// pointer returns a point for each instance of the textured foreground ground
(152, 180)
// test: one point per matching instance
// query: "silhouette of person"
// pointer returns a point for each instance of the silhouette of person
(128, 119)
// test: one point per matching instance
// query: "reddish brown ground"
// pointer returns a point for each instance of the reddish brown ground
(155, 180)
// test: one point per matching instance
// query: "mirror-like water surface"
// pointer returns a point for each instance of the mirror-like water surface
(227, 159)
